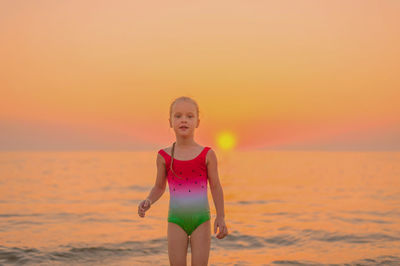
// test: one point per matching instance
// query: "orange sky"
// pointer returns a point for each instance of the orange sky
(279, 74)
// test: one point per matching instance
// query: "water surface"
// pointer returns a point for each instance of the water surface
(281, 207)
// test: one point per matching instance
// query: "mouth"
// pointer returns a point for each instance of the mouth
(183, 127)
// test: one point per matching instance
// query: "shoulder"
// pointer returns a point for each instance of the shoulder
(166, 149)
(161, 155)
(211, 157)
(160, 159)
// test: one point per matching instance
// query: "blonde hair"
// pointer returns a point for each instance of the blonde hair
(182, 98)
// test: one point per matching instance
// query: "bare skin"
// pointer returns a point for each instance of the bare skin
(184, 114)
(177, 245)
(200, 242)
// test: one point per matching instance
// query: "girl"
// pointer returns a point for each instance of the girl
(187, 166)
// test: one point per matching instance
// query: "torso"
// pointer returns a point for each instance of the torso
(188, 205)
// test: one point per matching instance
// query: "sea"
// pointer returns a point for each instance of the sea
(281, 208)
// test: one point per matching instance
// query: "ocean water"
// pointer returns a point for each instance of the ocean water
(281, 208)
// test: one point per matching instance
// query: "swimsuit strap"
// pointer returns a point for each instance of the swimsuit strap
(166, 156)
(203, 154)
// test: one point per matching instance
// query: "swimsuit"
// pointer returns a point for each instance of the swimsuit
(188, 203)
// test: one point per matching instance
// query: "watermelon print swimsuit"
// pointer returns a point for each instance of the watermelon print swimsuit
(188, 203)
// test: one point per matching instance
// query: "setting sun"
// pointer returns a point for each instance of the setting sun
(226, 140)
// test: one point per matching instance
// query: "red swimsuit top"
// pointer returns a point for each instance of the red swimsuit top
(193, 172)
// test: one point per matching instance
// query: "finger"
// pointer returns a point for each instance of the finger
(219, 230)
(215, 227)
(225, 230)
(222, 233)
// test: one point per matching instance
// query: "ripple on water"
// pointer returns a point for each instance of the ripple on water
(133, 250)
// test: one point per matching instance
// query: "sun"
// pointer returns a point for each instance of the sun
(226, 140)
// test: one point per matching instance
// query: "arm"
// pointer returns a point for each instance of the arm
(217, 194)
(215, 185)
(158, 188)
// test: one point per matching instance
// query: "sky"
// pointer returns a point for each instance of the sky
(291, 75)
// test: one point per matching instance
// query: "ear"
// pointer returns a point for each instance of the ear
(198, 123)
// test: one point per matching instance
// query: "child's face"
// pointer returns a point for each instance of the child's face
(184, 118)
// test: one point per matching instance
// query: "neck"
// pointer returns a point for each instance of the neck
(185, 142)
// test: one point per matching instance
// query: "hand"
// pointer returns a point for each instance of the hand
(223, 230)
(144, 205)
